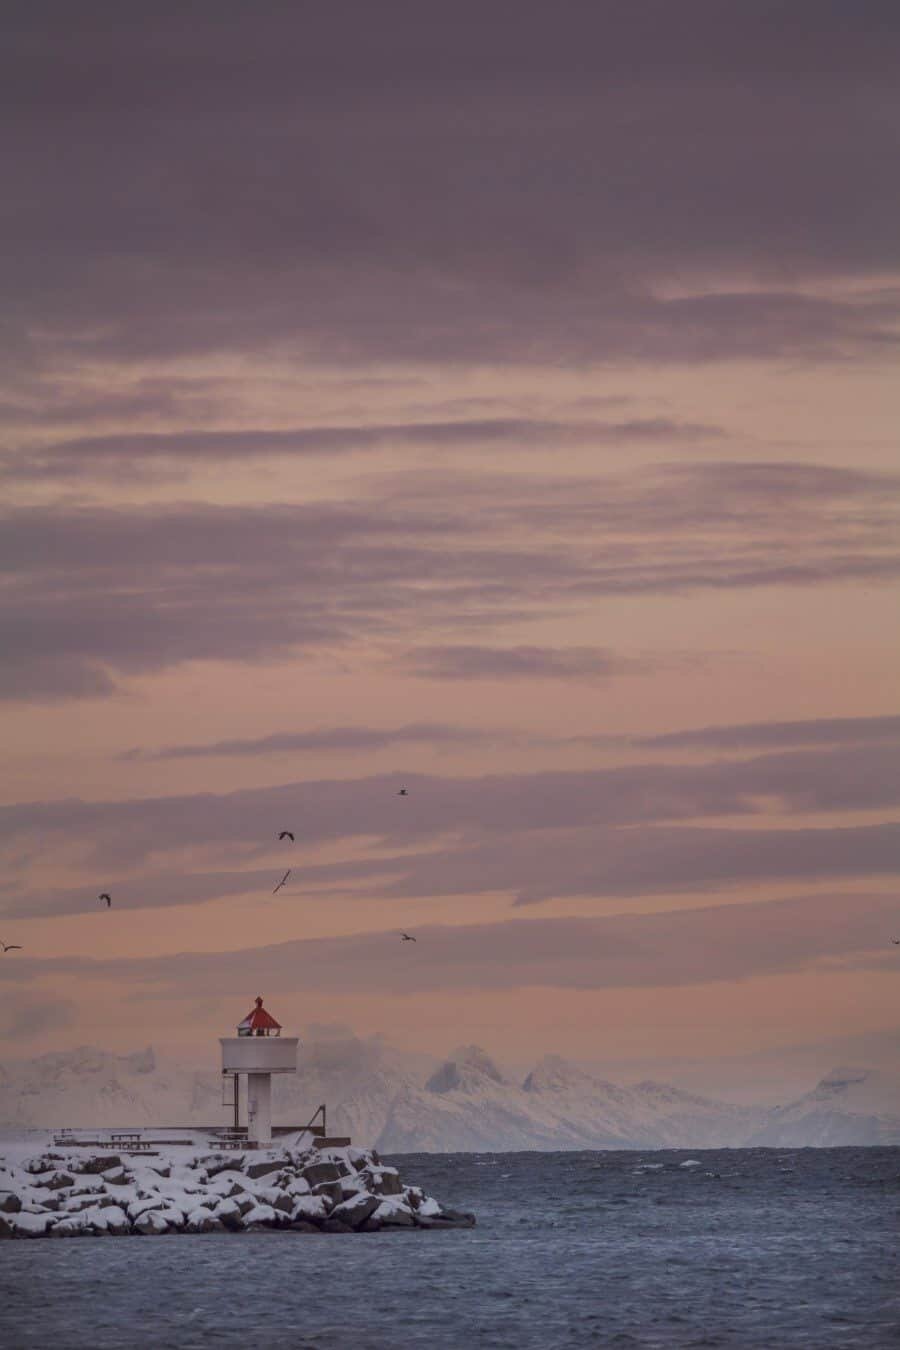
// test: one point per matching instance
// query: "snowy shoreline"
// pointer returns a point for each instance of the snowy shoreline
(60, 1193)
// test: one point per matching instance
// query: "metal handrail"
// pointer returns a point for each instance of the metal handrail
(319, 1111)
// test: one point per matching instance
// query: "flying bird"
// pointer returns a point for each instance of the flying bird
(896, 942)
(286, 834)
(10, 946)
(282, 881)
(403, 793)
(405, 937)
(107, 898)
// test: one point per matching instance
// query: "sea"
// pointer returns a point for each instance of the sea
(751, 1248)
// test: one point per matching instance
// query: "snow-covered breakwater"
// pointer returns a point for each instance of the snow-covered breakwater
(307, 1190)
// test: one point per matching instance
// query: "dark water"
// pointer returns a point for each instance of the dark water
(752, 1248)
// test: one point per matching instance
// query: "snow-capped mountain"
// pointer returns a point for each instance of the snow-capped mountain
(382, 1098)
(467, 1103)
(848, 1106)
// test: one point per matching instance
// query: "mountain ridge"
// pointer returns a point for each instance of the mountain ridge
(465, 1104)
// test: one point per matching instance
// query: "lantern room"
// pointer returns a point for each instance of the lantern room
(258, 1022)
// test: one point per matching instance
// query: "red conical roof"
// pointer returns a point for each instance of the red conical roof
(258, 1019)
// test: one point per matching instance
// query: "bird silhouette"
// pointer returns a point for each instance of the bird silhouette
(286, 834)
(403, 793)
(405, 937)
(282, 881)
(11, 946)
(107, 898)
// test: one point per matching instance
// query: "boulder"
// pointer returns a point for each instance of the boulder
(264, 1216)
(87, 1186)
(370, 1226)
(357, 1210)
(36, 1166)
(330, 1190)
(97, 1220)
(9, 1202)
(265, 1195)
(386, 1181)
(230, 1192)
(284, 1202)
(229, 1215)
(202, 1220)
(395, 1218)
(78, 1202)
(299, 1186)
(299, 1226)
(6, 1229)
(262, 1169)
(310, 1209)
(30, 1225)
(56, 1181)
(114, 1219)
(116, 1176)
(336, 1226)
(392, 1213)
(315, 1173)
(100, 1162)
(143, 1204)
(150, 1223)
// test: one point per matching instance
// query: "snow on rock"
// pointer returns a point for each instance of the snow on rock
(25, 1224)
(394, 1212)
(338, 1190)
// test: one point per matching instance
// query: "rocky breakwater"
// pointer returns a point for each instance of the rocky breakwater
(304, 1190)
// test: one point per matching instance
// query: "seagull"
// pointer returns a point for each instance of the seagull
(10, 946)
(896, 942)
(405, 937)
(286, 834)
(282, 881)
(403, 793)
(107, 898)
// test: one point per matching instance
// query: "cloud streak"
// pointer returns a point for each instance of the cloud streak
(96, 454)
(626, 831)
(348, 738)
(522, 662)
(93, 594)
(675, 948)
(822, 731)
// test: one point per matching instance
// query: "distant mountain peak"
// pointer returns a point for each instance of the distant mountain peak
(555, 1074)
(842, 1079)
(466, 1068)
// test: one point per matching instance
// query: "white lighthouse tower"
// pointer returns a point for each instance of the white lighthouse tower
(254, 1054)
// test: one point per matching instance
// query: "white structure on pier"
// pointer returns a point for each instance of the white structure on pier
(254, 1054)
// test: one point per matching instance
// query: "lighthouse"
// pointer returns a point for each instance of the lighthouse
(254, 1054)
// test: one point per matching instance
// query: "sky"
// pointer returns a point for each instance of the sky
(494, 401)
